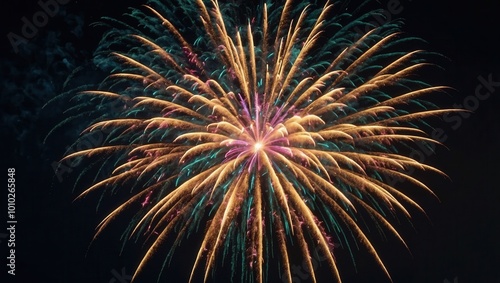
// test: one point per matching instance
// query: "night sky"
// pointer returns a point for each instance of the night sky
(458, 242)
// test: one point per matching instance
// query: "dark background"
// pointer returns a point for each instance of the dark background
(460, 242)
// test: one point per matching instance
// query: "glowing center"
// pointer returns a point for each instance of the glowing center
(257, 146)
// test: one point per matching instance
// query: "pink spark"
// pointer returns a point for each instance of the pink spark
(146, 200)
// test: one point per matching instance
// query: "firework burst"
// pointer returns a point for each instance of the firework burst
(271, 133)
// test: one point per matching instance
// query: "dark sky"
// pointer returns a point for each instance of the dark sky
(458, 243)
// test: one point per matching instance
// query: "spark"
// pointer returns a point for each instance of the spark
(257, 147)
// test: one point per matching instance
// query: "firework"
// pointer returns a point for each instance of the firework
(268, 130)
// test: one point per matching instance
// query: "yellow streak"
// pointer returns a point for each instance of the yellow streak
(154, 102)
(217, 108)
(309, 220)
(346, 218)
(171, 28)
(160, 51)
(277, 186)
